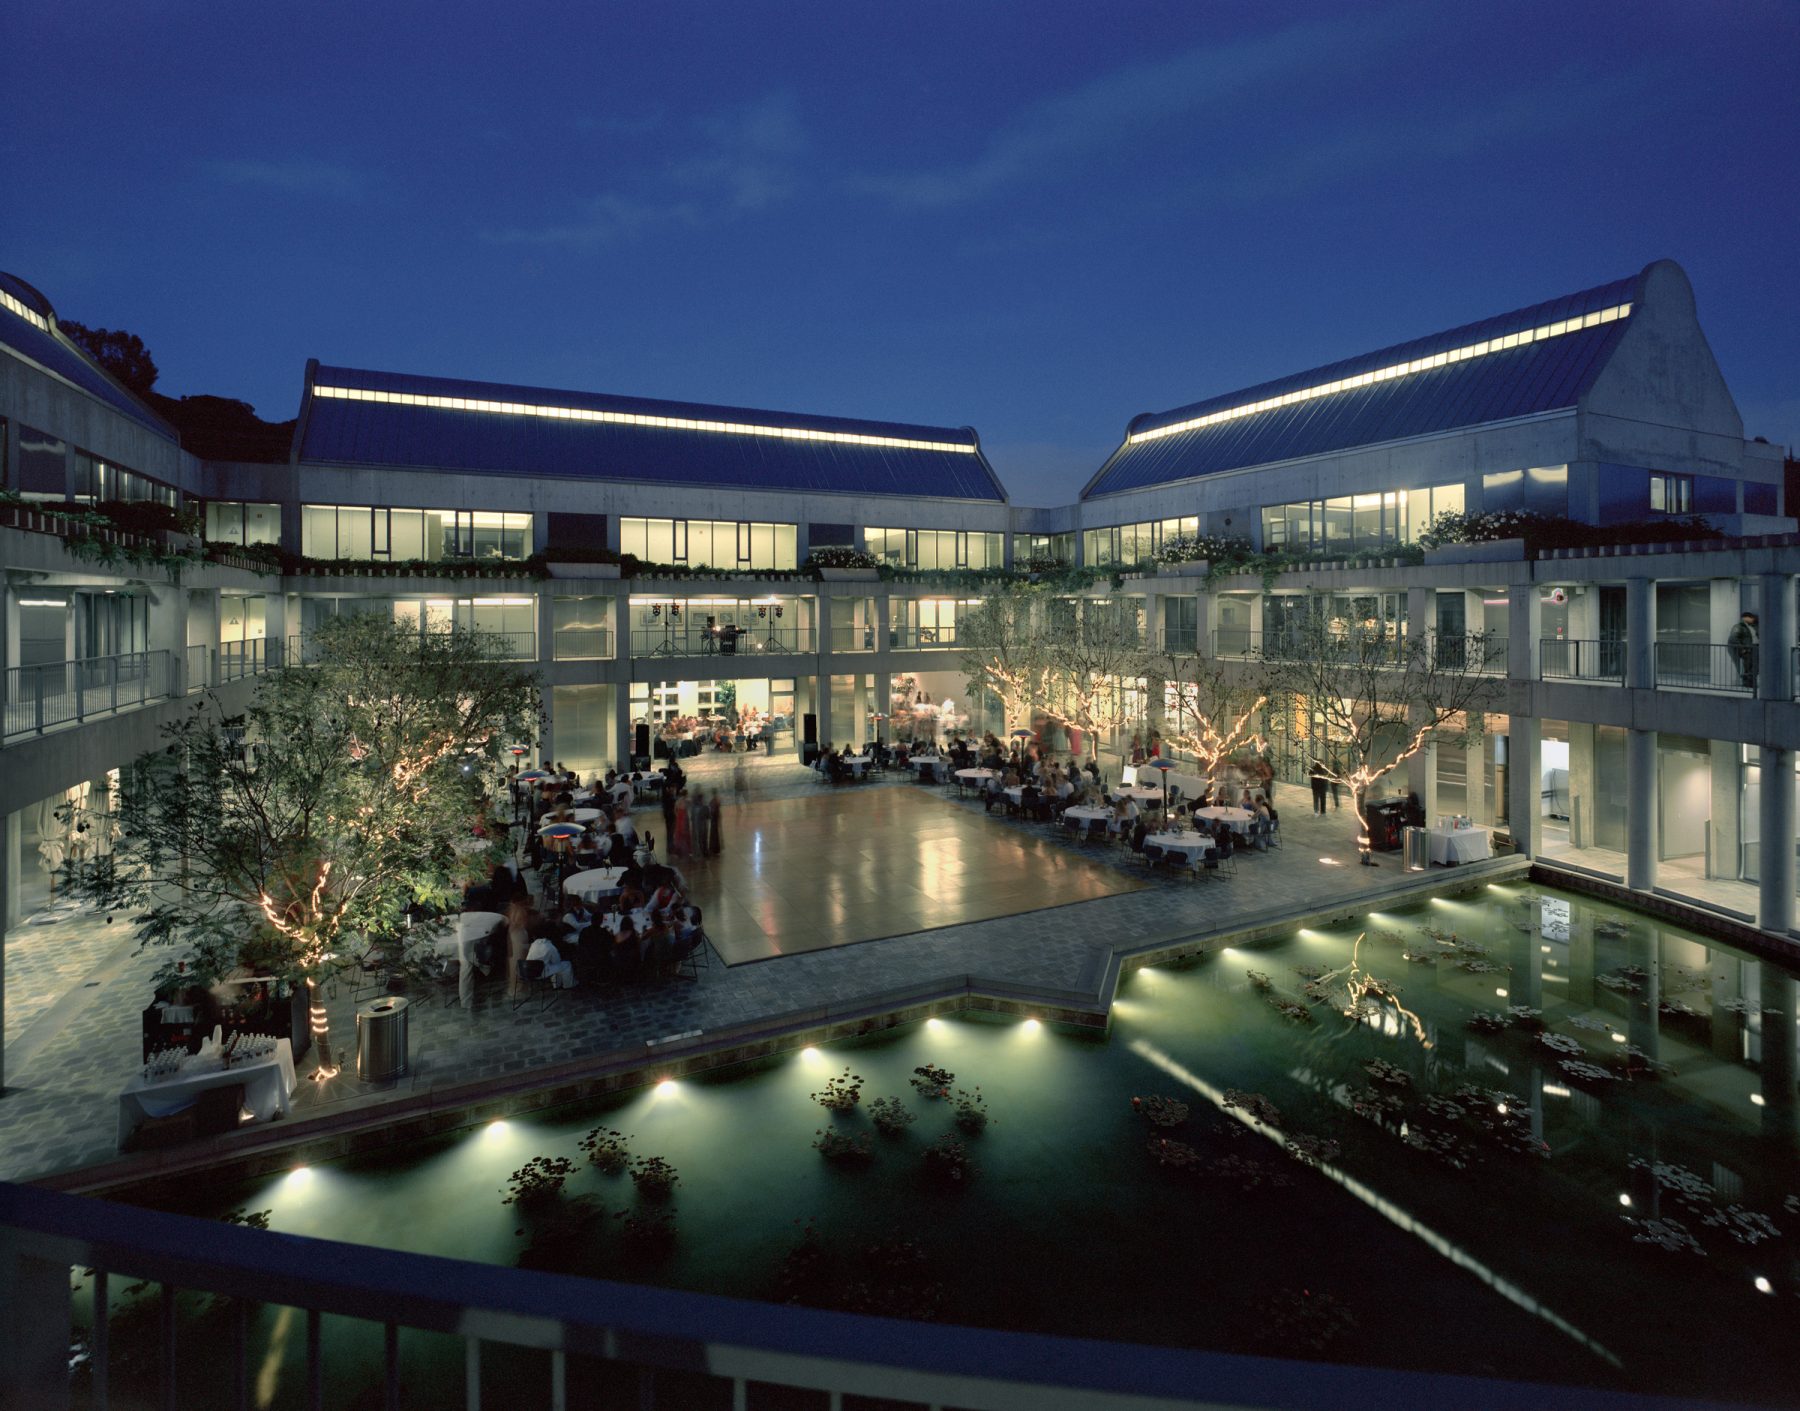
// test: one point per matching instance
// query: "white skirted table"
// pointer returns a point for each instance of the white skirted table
(1236, 819)
(268, 1089)
(1190, 845)
(1454, 845)
(594, 883)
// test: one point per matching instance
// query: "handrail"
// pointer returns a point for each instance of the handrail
(1708, 666)
(56, 693)
(43, 1234)
(1581, 659)
(582, 644)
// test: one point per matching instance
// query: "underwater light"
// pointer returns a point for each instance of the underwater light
(1757, 1099)
(496, 1128)
(300, 1175)
(934, 1023)
(667, 1085)
(1032, 1026)
(1624, 1199)
(1501, 993)
(1763, 1285)
(1618, 1038)
(809, 1053)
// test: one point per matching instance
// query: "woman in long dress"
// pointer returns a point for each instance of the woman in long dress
(679, 843)
(518, 937)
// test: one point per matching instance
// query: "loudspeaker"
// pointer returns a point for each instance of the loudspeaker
(810, 729)
(643, 739)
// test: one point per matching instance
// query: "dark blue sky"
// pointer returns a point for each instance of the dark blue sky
(1037, 219)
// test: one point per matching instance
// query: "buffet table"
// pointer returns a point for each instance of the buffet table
(268, 1089)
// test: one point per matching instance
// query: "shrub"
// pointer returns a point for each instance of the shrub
(834, 1145)
(932, 1082)
(654, 1177)
(840, 1094)
(538, 1179)
(971, 1111)
(948, 1160)
(891, 1116)
(607, 1149)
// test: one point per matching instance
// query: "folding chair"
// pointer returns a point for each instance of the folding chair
(534, 981)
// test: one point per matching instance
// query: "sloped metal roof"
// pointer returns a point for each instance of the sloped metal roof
(1533, 377)
(360, 432)
(54, 352)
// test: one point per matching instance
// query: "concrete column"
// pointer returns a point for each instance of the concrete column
(203, 630)
(1421, 613)
(1256, 621)
(1774, 681)
(1581, 784)
(1727, 789)
(1725, 606)
(822, 708)
(1779, 1013)
(1205, 620)
(1776, 911)
(624, 727)
(1640, 633)
(275, 628)
(883, 625)
(540, 531)
(1421, 769)
(1524, 771)
(9, 909)
(1525, 609)
(168, 632)
(1640, 810)
(1475, 781)
(884, 703)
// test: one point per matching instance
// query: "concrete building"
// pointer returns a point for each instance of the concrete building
(1632, 742)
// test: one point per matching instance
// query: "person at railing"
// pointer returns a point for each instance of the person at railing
(1744, 645)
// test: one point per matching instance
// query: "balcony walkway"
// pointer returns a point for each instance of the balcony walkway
(61, 1108)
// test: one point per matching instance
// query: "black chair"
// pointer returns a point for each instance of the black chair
(533, 981)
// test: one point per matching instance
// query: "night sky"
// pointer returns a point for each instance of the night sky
(1036, 219)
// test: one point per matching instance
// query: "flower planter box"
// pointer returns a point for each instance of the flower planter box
(849, 575)
(583, 570)
(1493, 551)
(1194, 568)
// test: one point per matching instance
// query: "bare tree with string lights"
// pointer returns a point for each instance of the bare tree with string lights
(293, 839)
(1003, 651)
(1213, 710)
(1378, 697)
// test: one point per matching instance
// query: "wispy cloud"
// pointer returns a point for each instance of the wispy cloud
(1100, 116)
(746, 160)
(298, 176)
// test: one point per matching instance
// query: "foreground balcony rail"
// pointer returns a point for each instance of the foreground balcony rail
(1581, 659)
(582, 643)
(696, 639)
(746, 1352)
(1707, 666)
(39, 698)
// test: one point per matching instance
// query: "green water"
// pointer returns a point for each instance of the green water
(1433, 1237)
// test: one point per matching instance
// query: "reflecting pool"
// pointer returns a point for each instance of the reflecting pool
(1523, 1134)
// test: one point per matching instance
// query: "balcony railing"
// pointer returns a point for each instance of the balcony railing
(746, 1350)
(58, 693)
(1183, 641)
(726, 639)
(505, 646)
(1482, 654)
(909, 639)
(1707, 666)
(240, 659)
(582, 643)
(199, 667)
(851, 638)
(1581, 659)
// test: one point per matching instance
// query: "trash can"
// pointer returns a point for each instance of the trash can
(1415, 847)
(381, 1027)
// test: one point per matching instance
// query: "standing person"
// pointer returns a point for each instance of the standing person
(712, 831)
(681, 835)
(518, 936)
(668, 811)
(1319, 780)
(700, 817)
(1336, 771)
(740, 780)
(1743, 644)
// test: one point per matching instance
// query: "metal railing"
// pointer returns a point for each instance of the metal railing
(199, 666)
(852, 638)
(908, 638)
(1297, 646)
(1480, 654)
(504, 646)
(548, 1317)
(1707, 666)
(57, 693)
(582, 643)
(1581, 659)
(1182, 640)
(722, 639)
(240, 659)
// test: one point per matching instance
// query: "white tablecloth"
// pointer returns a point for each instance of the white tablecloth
(1192, 844)
(1088, 813)
(1237, 819)
(1142, 795)
(594, 883)
(1449, 845)
(936, 768)
(856, 762)
(584, 815)
(268, 1090)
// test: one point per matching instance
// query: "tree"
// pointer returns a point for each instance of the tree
(1003, 651)
(1094, 649)
(122, 354)
(1374, 698)
(1212, 710)
(293, 839)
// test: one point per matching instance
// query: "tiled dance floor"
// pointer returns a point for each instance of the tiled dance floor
(859, 862)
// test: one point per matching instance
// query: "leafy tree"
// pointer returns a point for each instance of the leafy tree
(1094, 648)
(1213, 709)
(293, 839)
(120, 353)
(1376, 698)
(1003, 650)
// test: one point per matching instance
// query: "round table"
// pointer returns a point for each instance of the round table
(1191, 845)
(584, 815)
(1236, 819)
(1140, 795)
(593, 883)
(856, 763)
(974, 778)
(1088, 813)
(933, 766)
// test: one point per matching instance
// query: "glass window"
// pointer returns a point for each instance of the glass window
(43, 465)
(1671, 494)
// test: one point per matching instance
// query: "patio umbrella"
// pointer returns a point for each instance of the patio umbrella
(1165, 765)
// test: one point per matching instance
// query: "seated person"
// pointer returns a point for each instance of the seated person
(558, 971)
(625, 957)
(577, 919)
